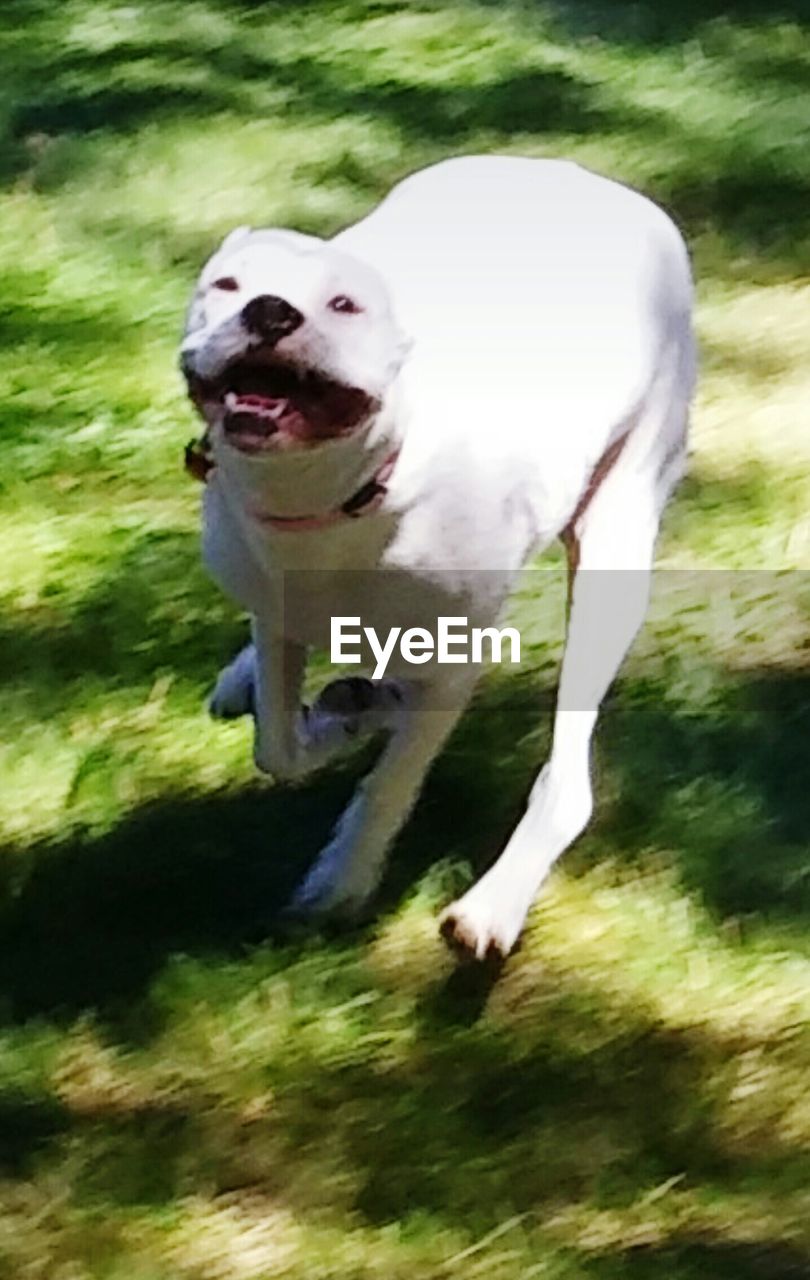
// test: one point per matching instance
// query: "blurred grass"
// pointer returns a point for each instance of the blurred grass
(184, 1096)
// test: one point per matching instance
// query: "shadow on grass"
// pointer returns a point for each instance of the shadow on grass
(29, 1122)
(541, 100)
(589, 1101)
(648, 24)
(751, 192)
(99, 915)
(695, 1258)
(723, 791)
(592, 1108)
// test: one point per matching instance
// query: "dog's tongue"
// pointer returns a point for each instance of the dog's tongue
(261, 406)
(253, 414)
(256, 418)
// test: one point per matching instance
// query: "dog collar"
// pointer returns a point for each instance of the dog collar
(198, 458)
(199, 462)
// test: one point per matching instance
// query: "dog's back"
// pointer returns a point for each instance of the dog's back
(550, 305)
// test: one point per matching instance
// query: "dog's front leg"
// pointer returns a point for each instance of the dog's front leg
(349, 869)
(610, 561)
(279, 667)
(346, 710)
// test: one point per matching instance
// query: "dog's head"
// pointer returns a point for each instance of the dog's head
(289, 343)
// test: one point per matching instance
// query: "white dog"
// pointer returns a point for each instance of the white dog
(501, 354)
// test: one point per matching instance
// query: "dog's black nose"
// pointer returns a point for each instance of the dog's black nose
(270, 318)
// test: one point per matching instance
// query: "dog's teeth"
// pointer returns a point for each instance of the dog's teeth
(231, 400)
(276, 410)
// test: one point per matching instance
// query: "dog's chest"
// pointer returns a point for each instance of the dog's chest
(386, 571)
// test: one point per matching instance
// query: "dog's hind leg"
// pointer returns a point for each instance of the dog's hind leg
(610, 558)
(349, 869)
(292, 740)
(344, 711)
(353, 707)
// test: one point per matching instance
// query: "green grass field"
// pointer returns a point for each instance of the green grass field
(185, 1094)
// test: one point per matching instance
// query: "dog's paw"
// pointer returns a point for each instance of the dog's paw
(478, 929)
(345, 711)
(234, 694)
(357, 706)
(330, 891)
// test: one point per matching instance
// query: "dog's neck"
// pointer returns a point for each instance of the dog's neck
(313, 483)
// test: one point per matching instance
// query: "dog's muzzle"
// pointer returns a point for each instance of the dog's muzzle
(264, 401)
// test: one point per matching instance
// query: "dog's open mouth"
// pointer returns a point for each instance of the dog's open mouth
(271, 406)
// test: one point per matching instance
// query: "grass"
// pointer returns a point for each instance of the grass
(186, 1094)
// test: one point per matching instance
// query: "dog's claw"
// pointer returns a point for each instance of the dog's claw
(474, 940)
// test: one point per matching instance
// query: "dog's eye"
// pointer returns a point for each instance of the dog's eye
(347, 306)
(228, 284)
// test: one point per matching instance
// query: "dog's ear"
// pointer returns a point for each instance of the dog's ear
(235, 237)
